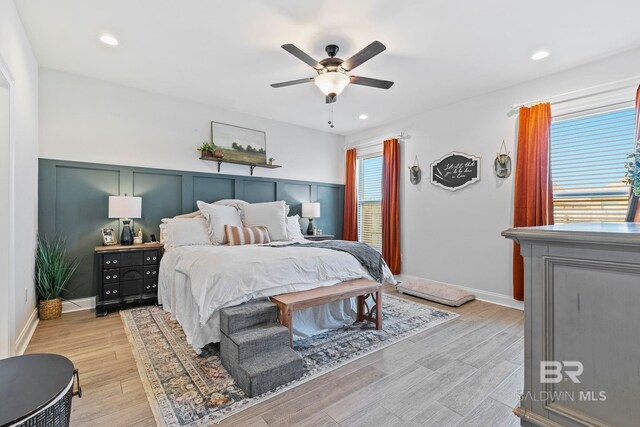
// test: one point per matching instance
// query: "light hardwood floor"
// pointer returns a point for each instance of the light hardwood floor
(466, 372)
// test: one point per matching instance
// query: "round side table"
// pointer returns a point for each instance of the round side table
(36, 390)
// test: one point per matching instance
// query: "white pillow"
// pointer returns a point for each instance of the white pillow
(293, 228)
(271, 215)
(217, 217)
(178, 232)
(230, 202)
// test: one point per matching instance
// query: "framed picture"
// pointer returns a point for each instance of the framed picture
(108, 238)
(239, 144)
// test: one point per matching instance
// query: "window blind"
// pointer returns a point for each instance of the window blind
(588, 156)
(370, 201)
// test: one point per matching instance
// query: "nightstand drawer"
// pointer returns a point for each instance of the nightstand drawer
(150, 286)
(130, 258)
(150, 272)
(111, 275)
(151, 257)
(131, 273)
(111, 260)
(111, 291)
(132, 287)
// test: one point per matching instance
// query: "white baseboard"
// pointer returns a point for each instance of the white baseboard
(492, 297)
(69, 306)
(27, 332)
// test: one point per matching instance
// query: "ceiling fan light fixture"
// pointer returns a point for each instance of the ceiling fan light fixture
(331, 83)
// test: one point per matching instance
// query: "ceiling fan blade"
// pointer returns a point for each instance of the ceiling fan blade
(364, 55)
(330, 100)
(366, 81)
(292, 82)
(302, 56)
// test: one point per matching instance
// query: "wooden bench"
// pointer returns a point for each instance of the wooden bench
(360, 288)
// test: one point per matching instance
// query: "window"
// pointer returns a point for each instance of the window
(370, 201)
(588, 156)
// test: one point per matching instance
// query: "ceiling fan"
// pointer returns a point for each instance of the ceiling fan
(333, 73)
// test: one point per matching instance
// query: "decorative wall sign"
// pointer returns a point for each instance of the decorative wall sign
(502, 163)
(415, 173)
(455, 171)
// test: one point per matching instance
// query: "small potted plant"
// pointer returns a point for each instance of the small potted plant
(53, 272)
(206, 149)
(632, 175)
(271, 159)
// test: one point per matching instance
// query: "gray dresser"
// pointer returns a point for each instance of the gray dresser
(582, 324)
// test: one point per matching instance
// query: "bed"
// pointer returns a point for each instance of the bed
(195, 282)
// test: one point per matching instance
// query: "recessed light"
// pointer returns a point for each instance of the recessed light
(541, 54)
(363, 117)
(109, 39)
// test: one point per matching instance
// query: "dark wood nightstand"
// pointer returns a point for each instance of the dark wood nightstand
(125, 274)
(319, 237)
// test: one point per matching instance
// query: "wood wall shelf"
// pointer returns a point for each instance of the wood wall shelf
(237, 162)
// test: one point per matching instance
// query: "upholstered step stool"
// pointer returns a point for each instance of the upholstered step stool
(255, 349)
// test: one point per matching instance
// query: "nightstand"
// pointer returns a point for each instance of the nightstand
(126, 274)
(319, 237)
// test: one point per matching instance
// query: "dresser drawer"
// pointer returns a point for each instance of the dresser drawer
(150, 286)
(111, 275)
(151, 272)
(131, 273)
(130, 258)
(111, 291)
(151, 257)
(111, 260)
(131, 287)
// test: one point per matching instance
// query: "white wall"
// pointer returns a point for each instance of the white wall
(18, 301)
(89, 120)
(455, 237)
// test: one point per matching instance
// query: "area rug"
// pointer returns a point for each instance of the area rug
(186, 389)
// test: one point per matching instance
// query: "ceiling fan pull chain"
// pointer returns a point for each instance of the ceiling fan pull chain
(331, 116)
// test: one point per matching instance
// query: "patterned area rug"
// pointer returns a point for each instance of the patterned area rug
(186, 389)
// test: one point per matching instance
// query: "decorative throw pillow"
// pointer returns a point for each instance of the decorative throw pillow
(246, 235)
(217, 217)
(230, 202)
(271, 215)
(293, 228)
(178, 232)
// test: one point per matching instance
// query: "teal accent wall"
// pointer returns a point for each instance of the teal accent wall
(73, 202)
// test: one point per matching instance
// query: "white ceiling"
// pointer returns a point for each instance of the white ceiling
(226, 53)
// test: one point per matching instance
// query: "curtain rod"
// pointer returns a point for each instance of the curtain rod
(374, 141)
(632, 81)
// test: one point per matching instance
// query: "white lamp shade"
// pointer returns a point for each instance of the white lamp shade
(332, 83)
(125, 207)
(311, 210)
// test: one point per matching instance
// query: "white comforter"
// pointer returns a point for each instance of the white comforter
(213, 277)
(223, 276)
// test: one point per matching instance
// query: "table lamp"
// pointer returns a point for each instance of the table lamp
(310, 210)
(125, 207)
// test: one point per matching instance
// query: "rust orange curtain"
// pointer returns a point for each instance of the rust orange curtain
(633, 214)
(391, 204)
(533, 196)
(350, 223)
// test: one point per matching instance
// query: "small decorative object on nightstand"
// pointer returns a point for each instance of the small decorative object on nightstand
(126, 208)
(310, 210)
(125, 274)
(320, 237)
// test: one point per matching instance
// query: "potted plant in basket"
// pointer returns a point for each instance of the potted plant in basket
(53, 272)
(206, 149)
